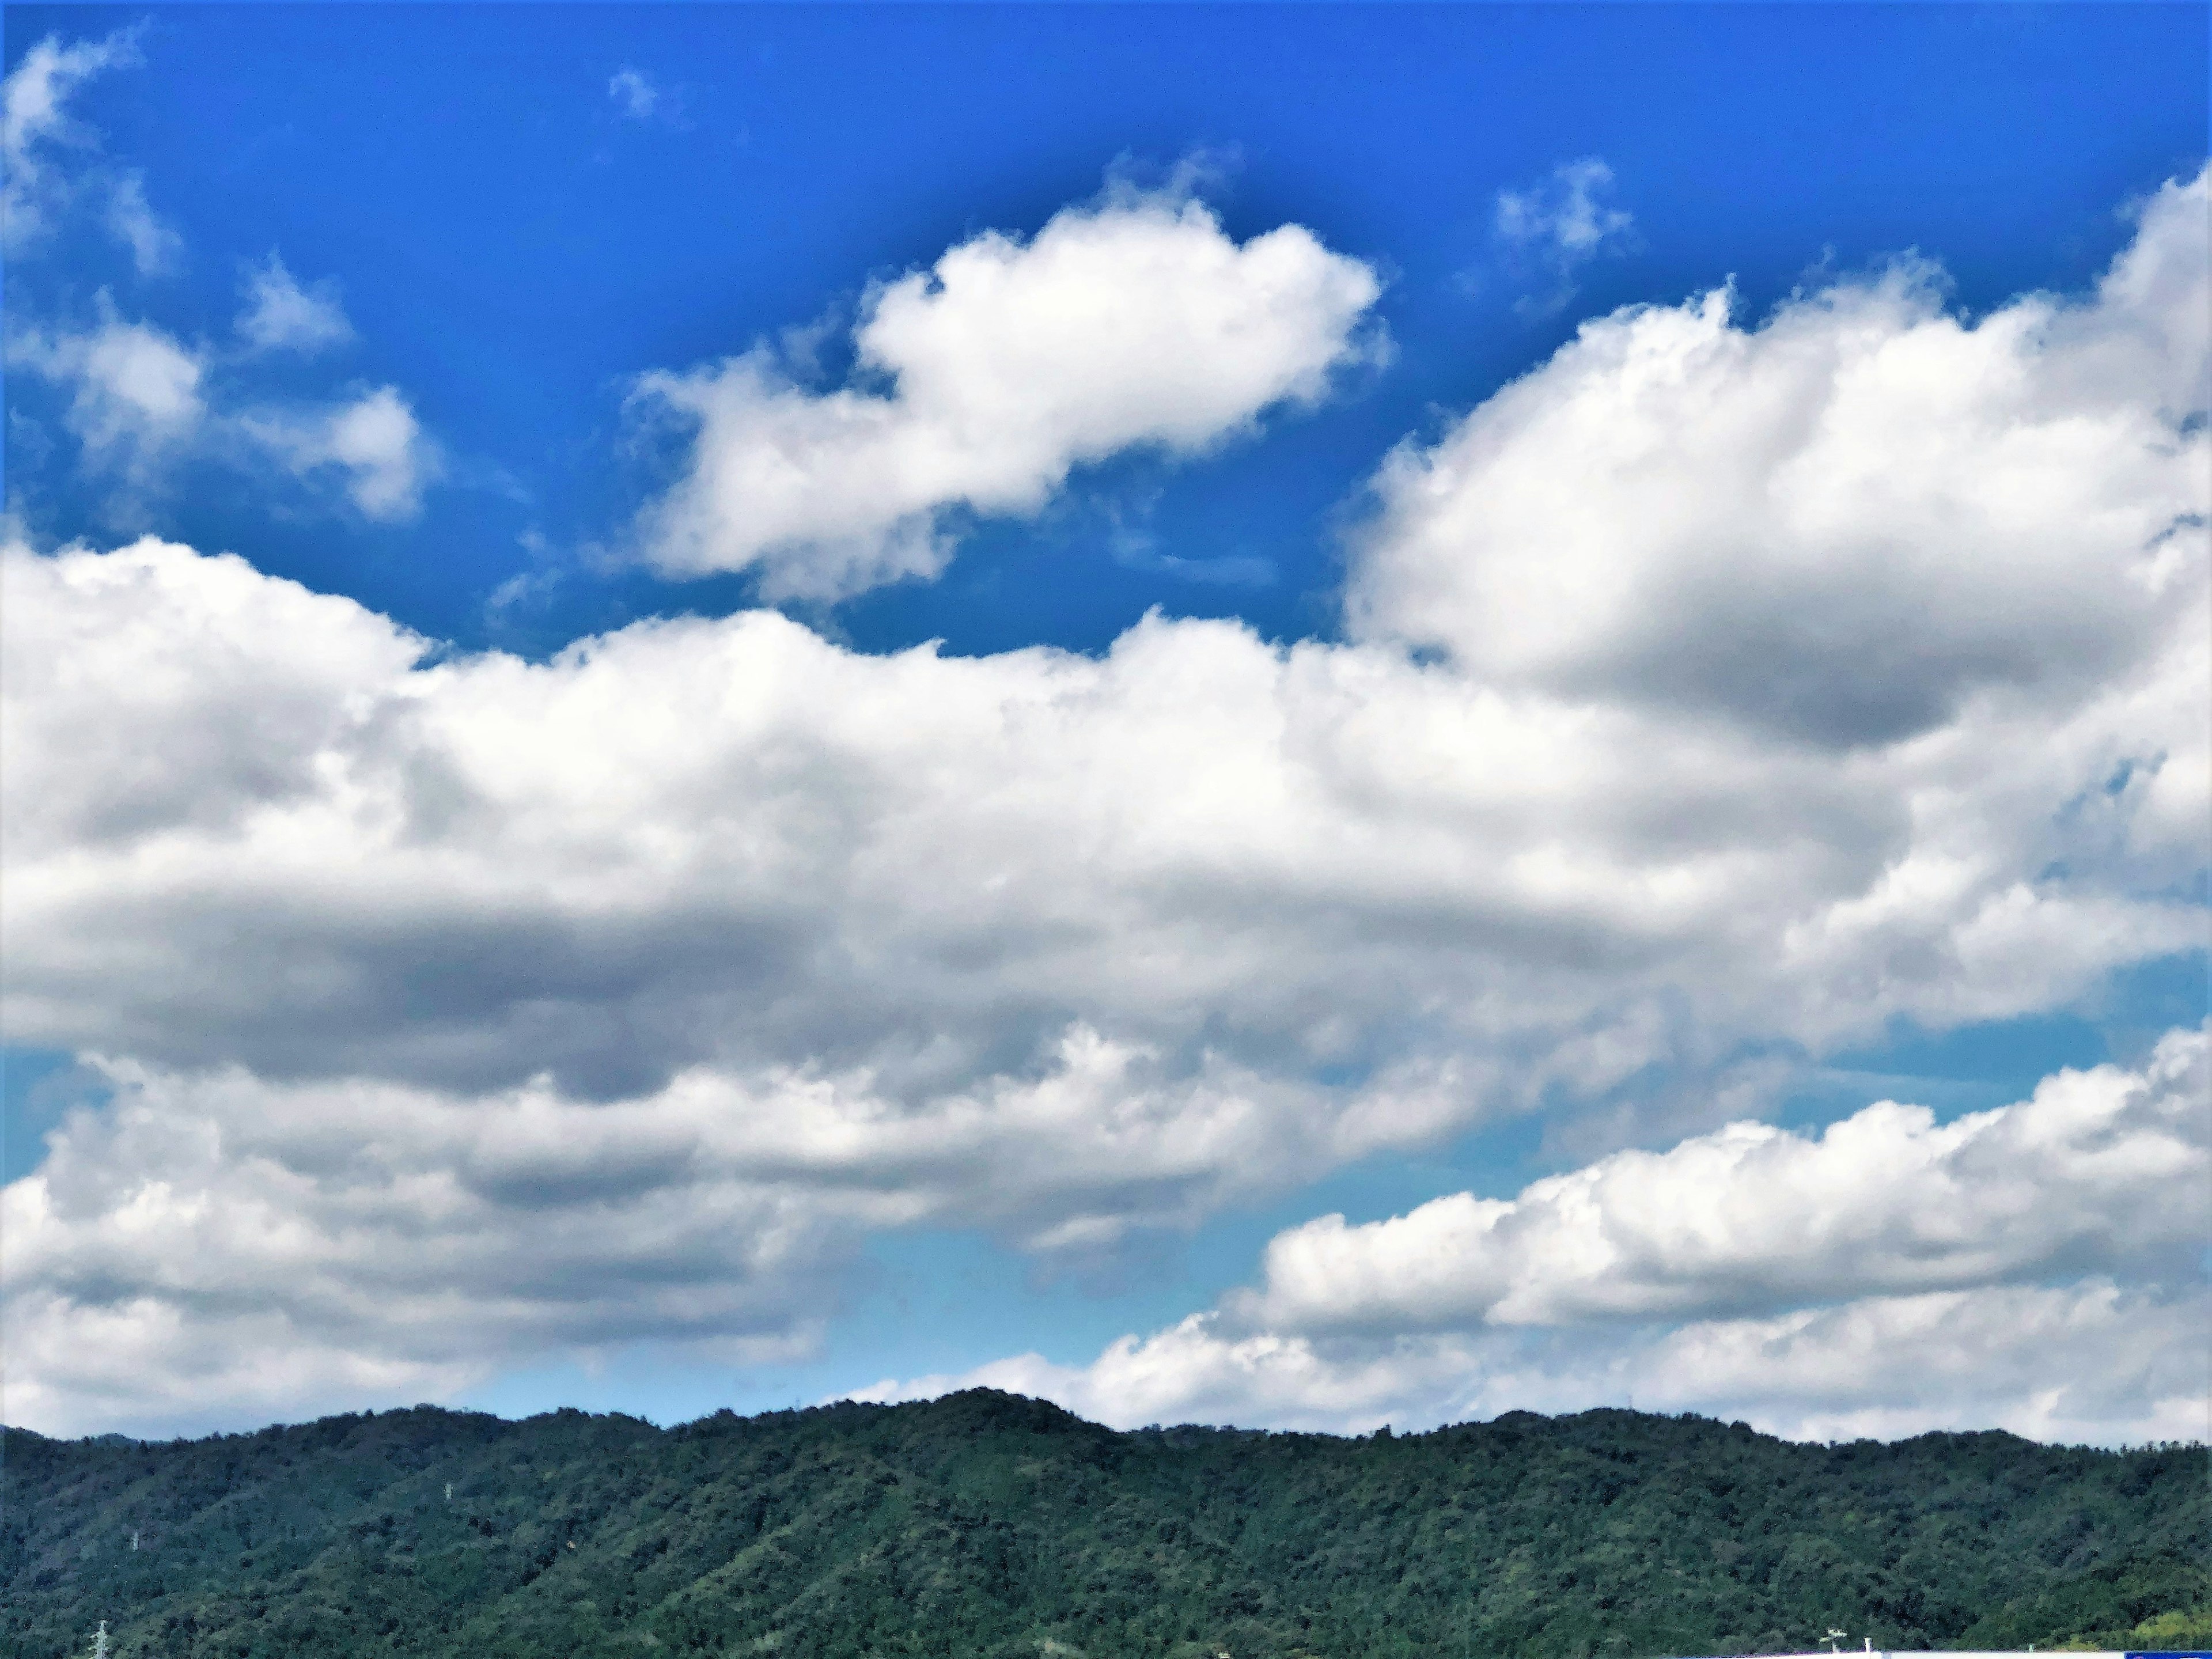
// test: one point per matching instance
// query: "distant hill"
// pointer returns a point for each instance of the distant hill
(983, 1526)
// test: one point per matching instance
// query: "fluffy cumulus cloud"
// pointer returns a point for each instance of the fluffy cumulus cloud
(399, 1240)
(2031, 1266)
(1841, 525)
(644, 982)
(982, 381)
(2085, 1362)
(2101, 1170)
(245, 1242)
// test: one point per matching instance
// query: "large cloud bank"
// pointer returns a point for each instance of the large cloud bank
(2030, 1266)
(457, 1006)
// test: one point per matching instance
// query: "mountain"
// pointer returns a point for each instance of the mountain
(983, 1525)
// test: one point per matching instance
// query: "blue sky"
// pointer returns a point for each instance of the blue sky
(512, 249)
(1795, 803)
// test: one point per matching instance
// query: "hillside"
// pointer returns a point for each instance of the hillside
(986, 1525)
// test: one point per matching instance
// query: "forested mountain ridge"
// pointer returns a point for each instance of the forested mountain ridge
(986, 1525)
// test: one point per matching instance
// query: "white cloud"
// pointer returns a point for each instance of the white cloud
(35, 188)
(1061, 947)
(204, 1245)
(1137, 323)
(34, 119)
(708, 840)
(136, 392)
(2101, 1171)
(635, 94)
(141, 400)
(1436, 858)
(1843, 525)
(1562, 224)
(130, 219)
(2074, 1363)
(279, 315)
(1783, 1279)
(1564, 214)
(373, 441)
(362, 1235)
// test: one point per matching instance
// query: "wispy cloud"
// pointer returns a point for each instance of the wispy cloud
(36, 187)
(373, 443)
(136, 392)
(141, 400)
(1559, 225)
(635, 94)
(638, 96)
(279, 315)
(132, 222)
(1135, 549)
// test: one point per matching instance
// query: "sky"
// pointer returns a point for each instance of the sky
(1310, 717)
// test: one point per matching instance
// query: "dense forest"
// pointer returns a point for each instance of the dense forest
(983, 1524)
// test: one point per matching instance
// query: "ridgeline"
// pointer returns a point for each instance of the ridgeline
(983, 1526)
